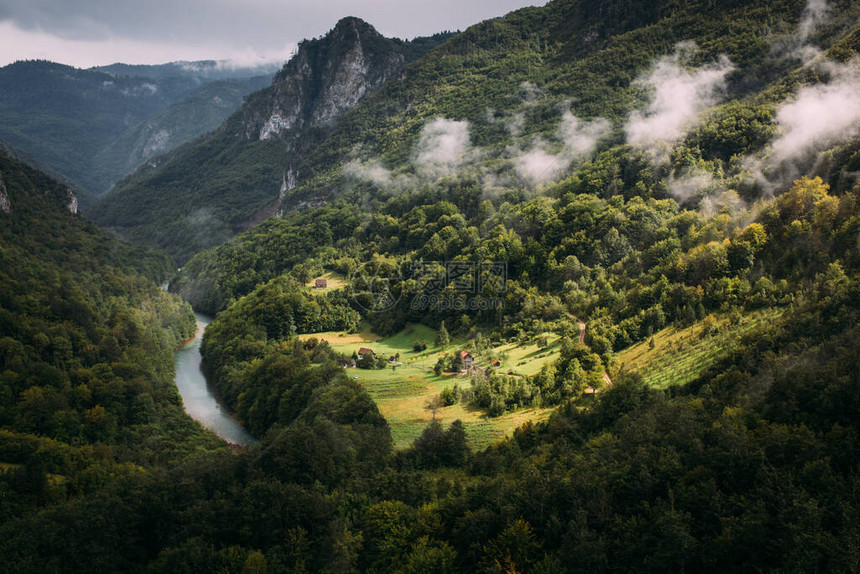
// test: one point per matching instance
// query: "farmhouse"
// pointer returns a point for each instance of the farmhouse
(321, 283)
(468, 360)
(365, 351)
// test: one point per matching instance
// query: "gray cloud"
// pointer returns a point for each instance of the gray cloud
(797, 44)
(690, 184)
(816, 118)
(816, 11)
(261, 25)
(443, 147)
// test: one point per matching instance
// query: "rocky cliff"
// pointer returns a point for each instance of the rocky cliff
(326, 77)
(202, 193)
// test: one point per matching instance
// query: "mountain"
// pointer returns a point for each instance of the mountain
(86, 355)
(83, 196)
(239, 171)
(85, 124)
(507, 82)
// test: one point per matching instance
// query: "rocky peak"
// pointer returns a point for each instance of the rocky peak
(326, 77)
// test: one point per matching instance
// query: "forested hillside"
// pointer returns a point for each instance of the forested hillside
(86, 371)
(710, 187)
(205, 192)
(752, 466)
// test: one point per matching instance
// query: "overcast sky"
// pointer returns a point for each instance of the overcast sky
(86, 33)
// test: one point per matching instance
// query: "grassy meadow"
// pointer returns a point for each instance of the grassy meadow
(407, 393)
(680, 354)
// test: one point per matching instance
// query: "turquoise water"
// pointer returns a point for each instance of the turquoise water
(199, 400)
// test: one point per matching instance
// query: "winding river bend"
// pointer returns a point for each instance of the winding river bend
(199, 400)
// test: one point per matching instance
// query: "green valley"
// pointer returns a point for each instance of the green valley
(574, 290)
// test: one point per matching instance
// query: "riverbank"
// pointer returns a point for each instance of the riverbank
(199, 399)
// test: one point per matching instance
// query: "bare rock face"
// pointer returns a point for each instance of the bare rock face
(325, 78)
(64, 194)
(157, 142)
(71, 201)
(289, 183)
(5, 205)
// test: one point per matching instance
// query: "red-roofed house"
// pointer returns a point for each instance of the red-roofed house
(321, 283)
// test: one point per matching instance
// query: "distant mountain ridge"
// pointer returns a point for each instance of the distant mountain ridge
(200, 71)
(200, 111)
(80, 123)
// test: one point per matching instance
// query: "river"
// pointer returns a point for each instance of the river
(199, 400)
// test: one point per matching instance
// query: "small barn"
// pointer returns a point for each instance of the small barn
(468, 360)
(321, 283)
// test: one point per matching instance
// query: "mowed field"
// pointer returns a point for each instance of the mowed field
(333, 281)
(682, 354)
(406, 392)
(528, 359)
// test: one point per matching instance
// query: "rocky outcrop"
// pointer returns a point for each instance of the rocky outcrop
(289, 183)
(71, 201)
(325, 78)
(5, 206)
(157, 141)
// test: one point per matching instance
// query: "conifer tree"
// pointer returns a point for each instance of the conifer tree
(442, 336)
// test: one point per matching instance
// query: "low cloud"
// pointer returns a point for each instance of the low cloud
(537, 165)
(530, 92)
(815, 119)
(515, 124)
(727, 201)
(820, 115)
(688, 185)
(678, 96)
(578, 138)
(697, 188)
(443, 146)
(798, 43)
(444, 149)
(371, 171)
(814, 14)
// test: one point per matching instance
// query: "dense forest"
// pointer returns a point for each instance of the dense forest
(512, 96)
(593, 176)
(87, 399)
